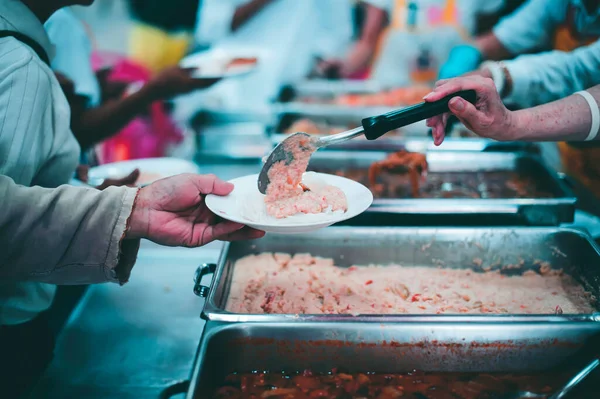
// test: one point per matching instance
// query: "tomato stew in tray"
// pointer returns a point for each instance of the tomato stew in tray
(412, 385)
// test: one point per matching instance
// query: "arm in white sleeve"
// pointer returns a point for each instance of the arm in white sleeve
(531, 26)
(214, 20)
(66, 235)
(538, 79)
(73, 53)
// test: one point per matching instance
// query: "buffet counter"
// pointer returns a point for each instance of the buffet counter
(138, 340)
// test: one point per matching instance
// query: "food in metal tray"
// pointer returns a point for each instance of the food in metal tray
(390, 98)
(415, 164)
(415, 384)
(302, 284)
(285, 194)
(388, 179)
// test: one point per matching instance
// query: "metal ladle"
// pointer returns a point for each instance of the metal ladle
(573, 382)
(372, 127)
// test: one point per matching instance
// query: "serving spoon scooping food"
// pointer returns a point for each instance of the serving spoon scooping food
(568, 387)
(372, 128)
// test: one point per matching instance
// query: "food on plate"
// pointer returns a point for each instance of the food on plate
(416, 384)
(304, 284)
(241, 62)
(286, 197)
(413, 163)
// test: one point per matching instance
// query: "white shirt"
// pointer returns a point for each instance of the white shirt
(532, 25)
(214, 20)
(36, 143)
(541, 78)
(333, 20)
(73, 52)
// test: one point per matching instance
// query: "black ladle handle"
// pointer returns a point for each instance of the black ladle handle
(377, 126)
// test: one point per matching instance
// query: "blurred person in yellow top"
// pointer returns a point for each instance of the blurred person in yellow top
(162, 32)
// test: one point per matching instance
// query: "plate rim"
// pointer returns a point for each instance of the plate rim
(345, 216)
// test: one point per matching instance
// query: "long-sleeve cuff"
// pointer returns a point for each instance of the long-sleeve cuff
(521, 81)
(122, 253)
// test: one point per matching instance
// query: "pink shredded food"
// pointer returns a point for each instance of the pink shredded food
(304, 284)
(285, 196)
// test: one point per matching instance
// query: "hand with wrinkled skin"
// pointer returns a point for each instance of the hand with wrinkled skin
(487, 118)
(173, 212)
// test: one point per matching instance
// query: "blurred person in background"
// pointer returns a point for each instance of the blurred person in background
(37, 148)
(403, 42)
(572, 29)
(163, 31)
(217, 19)
(100, 108)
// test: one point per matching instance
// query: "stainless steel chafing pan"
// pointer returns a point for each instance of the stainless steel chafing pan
(383, 348)
(532, 211)
(565, 249)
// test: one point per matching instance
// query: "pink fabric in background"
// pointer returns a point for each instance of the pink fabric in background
(147, 136)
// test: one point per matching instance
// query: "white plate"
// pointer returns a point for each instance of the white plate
(212, 64)
(151, 169)
(246, 205)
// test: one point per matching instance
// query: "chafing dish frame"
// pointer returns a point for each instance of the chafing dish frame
(415, 246)
(532, 211)
(386, 348)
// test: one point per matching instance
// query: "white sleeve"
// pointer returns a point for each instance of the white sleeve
(531, 26)
(539, 79)
(25, 111)
(214, 20)
(73, 53)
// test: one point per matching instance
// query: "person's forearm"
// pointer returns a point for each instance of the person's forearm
(96, 124)
(244, 12)
(363, 51)
(67, 235)
(491, 48)
(569, 119)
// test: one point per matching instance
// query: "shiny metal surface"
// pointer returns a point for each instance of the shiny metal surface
(132, 341)
(532, 211)
(385, 347)
(414, 137)
(575, 381)
(456, 247)
(325, 90)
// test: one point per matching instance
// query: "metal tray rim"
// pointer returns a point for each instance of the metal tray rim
(211, 312)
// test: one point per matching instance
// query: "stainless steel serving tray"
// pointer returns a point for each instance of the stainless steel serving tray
(414, 137)
(532, 211)
(386, 348)
(570, 250)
